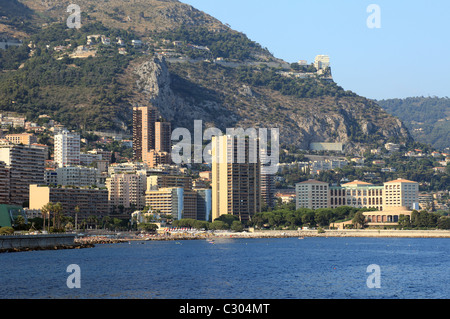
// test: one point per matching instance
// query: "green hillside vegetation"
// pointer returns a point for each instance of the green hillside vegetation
(19, 17)
(97, 93)
(13, 57)
(228, 45)
(419, 170)
(297, 87)
(60, 87)
(275, 99)
(428, 118)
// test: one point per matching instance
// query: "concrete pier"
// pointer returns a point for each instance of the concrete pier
(37, 242)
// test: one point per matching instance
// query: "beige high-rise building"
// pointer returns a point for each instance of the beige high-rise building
(4, 183)
(26, 166)
(235, 181)
(155, 182)
(268, 189)
(312, 194)
(163, 134)
(127, 190)
(180, 203)
(151, 138)
(144, 119)
(162, 200)
(77, 176)
(401, 193)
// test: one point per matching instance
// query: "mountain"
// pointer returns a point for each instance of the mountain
(427, 118)
(191, 67)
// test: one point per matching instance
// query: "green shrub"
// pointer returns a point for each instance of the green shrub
(6, 230)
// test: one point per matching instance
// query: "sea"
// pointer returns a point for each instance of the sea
(281, 268)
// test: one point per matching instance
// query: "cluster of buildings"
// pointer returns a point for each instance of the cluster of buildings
(392, 199)
(90, 49)
(88, 184)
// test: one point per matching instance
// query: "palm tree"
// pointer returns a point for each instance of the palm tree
(92, 219)
(77, 210)
(58, 213)
(106, 221)
(46, 210)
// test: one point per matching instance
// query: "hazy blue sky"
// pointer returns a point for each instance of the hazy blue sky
(408, 56)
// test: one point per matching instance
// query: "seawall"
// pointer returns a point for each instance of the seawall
(15, 243)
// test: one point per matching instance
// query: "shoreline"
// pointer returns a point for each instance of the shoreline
(92, 241)
(371, 233)
(275, 234)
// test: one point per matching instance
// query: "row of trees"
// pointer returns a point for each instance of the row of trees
(283, 217)
(224, 222)
(424, 220)
(54, 220)
(287, 217)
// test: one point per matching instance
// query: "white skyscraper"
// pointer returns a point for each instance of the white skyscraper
(67, 149)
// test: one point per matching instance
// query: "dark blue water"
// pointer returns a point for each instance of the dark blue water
(326, 268)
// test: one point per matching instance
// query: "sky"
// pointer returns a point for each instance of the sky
(408, 55)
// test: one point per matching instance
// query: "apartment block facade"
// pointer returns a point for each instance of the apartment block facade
(357, 194)
(236, 182)
(155, 182)
(90, 201)
(151, 137)
(4, 183)
(67, 149)
(24, 138)
(26, 166)
(312, 194)
(180, 203)
(127, 190)
(401, 193)
(398, 193)
(77, 176)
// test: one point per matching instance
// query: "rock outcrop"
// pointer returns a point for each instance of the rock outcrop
(182, 98)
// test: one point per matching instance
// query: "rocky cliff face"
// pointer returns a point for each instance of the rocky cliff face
(183, 96)
(154, 84)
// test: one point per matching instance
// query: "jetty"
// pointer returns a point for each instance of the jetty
(18, 243)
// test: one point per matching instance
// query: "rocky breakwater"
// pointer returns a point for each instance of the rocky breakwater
(93, 240)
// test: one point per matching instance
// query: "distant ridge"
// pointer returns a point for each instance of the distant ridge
(427, 118)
